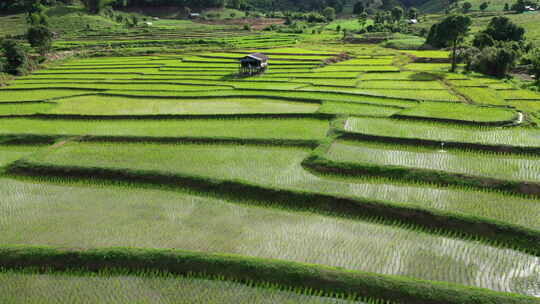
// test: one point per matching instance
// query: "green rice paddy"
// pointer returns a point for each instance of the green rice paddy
(188, 115)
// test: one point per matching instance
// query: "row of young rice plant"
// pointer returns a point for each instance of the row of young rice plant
(125, 86)
(10, 153)
(482, 95)
(146, 287)
(366, 62)
(245, 128)
(519, 95)
(428, 95)
(25, 108)
(461, 112)
(93, 215)
(281, 167)
(307, 95)
(7, 95)
(411, 76)
(403, 85)
(111, 105)
(443, 132)
(351, 108)
(471, 163)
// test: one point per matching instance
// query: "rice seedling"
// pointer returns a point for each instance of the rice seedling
(429, 67)
(7, 95)
(402, 85)
(364, 62)
(23, 108)
(74, 216)
(333, 107)
(482, 95)
(481, 164)
(80, 287)
(358, 68)
(395, 128)
(429, 54)
(111, 105)
(282, 128)
(126, 86)
(280, 167)
(519, 95)
(460, 111)
(413, 76)
(10, 153)
(430, 95)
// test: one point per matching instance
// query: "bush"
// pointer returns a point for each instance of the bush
(535, 65)
(494, 60)
(40, 38)
(16, 62)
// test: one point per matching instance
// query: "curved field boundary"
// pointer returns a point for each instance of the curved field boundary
(459, 121)
(324, 165)
(321, 116)
(429, 142)
(330, 280)
(435, 221)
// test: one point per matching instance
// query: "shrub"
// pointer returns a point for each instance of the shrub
(40, 38)
(329, 13)
(16, 57)
(494, 60)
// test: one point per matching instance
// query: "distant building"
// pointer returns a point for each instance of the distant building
(194, 15)
(253, 64)
(413, 21)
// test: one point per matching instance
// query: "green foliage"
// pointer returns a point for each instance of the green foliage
(358, 8)
(503, 29)
(450, 31)
(397, 13)
(484, 6)
(329, 13)
(493, 60)
(17, 61)
(466, 7)
(535, 63)
(95, 6)
(41, 38)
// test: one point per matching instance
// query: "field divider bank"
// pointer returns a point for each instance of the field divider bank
(320, 163)
(330, 280)
(436, 143)
(433, 221)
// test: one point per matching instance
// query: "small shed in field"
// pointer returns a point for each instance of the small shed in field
(253, 63)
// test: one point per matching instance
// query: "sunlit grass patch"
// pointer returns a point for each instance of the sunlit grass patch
(407, 85)
(7, 95)
(357, 109)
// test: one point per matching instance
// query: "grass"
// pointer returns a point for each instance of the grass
(460, 112)
(110, 105)
(144, 287)
(74, 216)
(520, 137)
(507, 166)
(284, 128)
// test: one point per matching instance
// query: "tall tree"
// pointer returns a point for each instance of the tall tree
(40, 37)
(466, 7)
(329, 13)
(397, 13)
(450, 32)
(503, 29)
(358, 8)
(483, 6)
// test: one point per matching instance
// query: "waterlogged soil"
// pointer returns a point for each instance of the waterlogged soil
(90, 215)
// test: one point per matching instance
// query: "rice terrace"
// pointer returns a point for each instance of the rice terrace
(253, 152)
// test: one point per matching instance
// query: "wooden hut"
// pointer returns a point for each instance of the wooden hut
(253, 64)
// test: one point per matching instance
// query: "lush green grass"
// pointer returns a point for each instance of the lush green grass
(471, 163)
(281, 167)
(460, 111)
(73, 216)
(444, 132)
(109, 105)
(80, 287)
(285, 128)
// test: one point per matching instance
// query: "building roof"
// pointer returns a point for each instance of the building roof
(258, 56)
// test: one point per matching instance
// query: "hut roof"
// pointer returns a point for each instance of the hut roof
(258, 56)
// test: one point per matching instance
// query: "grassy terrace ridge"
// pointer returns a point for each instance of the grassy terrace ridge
(327, 279)
(256, 182)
